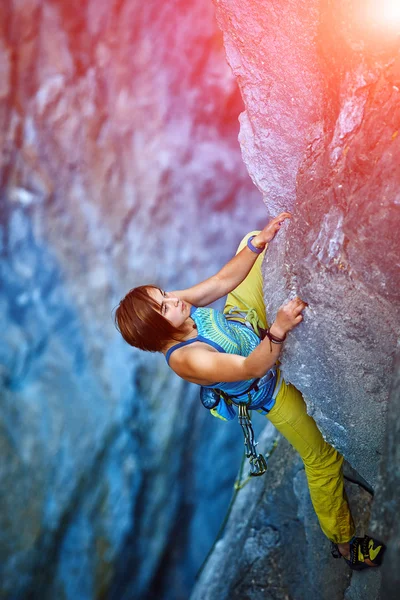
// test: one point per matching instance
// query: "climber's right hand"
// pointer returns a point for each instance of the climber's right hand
(288, 317)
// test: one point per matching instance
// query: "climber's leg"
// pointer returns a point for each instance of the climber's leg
(249, 293)
(322, 463)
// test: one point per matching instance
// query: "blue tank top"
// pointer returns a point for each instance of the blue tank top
(233, 337)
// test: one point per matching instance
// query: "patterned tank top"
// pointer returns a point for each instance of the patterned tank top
(231, 336)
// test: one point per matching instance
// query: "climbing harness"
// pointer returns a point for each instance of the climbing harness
(213, 398)
(220, 403)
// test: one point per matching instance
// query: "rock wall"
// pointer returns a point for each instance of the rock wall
(319, 136)
(320, 87)
(273, 547)
(384, 522)
(120, 165)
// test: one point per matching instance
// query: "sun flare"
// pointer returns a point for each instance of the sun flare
(386, 13)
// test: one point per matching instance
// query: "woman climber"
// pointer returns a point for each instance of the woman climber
(236, 352)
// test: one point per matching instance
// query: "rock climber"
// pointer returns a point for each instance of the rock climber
(236, 351)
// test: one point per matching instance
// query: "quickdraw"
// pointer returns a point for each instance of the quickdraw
(258, 464)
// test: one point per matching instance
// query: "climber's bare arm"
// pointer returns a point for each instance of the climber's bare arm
(205, 366)
(202, 364)
(234, 272)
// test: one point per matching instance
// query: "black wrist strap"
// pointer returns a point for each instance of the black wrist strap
(274, 339)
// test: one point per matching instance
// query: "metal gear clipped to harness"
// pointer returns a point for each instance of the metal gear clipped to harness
(258, 464)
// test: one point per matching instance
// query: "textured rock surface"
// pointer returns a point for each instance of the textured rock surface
(386, 507)
(321, 80)
(271, 50)
(273, 547)
(319, 85)
(120, 165)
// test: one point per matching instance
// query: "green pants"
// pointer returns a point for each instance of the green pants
(322, 463)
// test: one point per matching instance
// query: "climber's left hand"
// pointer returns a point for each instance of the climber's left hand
(270, 230)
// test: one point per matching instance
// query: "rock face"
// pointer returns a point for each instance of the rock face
(386, 507)
(271, 50)
(120, 165)
(321, 86)
(273, 547)
(319, 136)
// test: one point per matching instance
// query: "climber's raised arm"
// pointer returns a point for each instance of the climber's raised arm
(234, 272)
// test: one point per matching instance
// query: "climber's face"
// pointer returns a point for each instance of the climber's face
(174, 309)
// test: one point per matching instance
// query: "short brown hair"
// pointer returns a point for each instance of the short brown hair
(138, 320)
